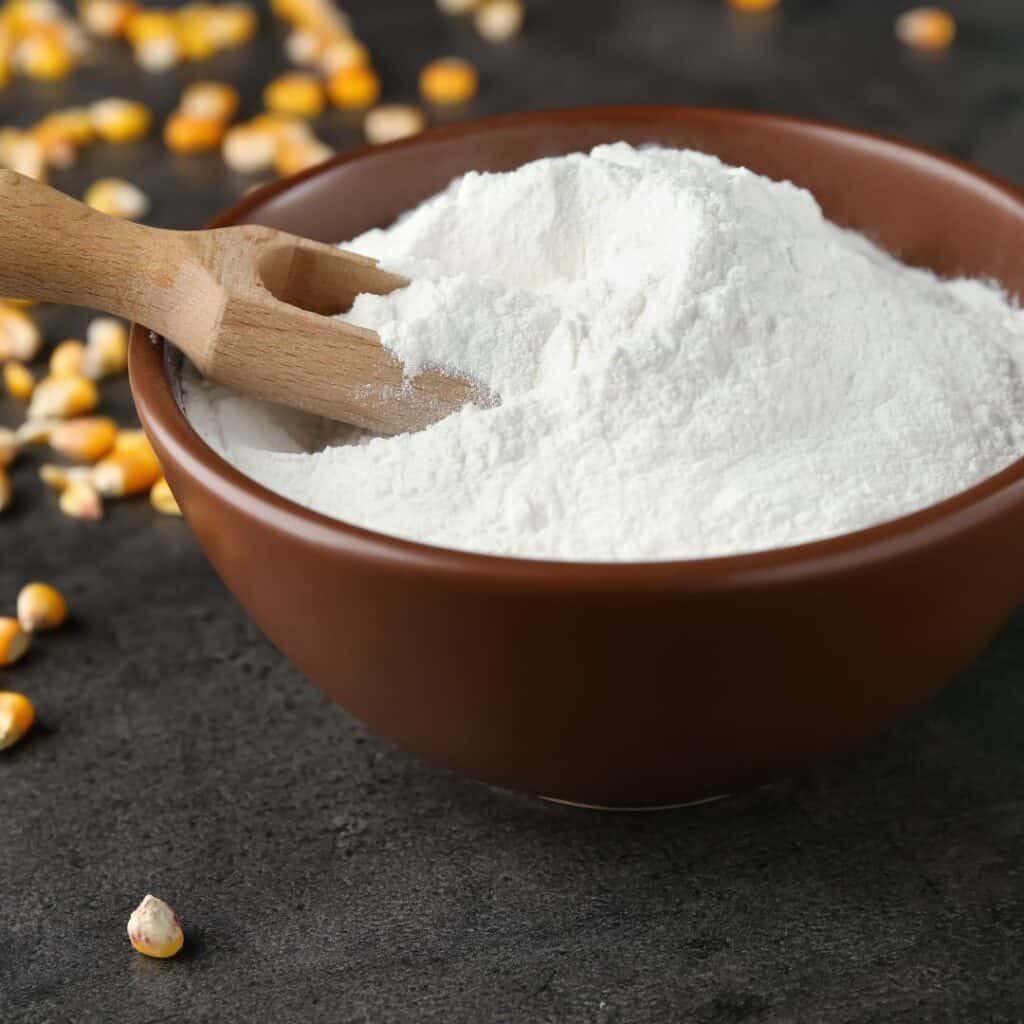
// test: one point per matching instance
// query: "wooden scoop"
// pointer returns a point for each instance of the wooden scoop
(245, 304)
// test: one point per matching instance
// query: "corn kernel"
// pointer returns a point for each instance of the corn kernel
(342, 54)
(231, 25)
(158, 53)
(35, 431)
(161, 498)
(753, 6)
(6, 490)
(392, 121)
(295, 93)
(354, 88)
(106, 348)
(16, 717)
(154, 929)
(57, 478)
(926, 28)
(67, 358)
(41, 607)
(24, 15)
(247, 149)
(57, 150)
(61, 397)
(150, 24)
(302, 46)
(498, 21)
(75, 124)
(25, 154)
(184, 133)
(106, 18)
(118, 198)
(80, 500)
(10, 445)
(194, 38)
(13, 641)
(19, 337)
(457, 6)
(86, 438)
(293, 157)
(134, 442)
(18, 380)
(451, 80)
(214, 101)
(118, 120)
(44, 56)
(283, 128)
(122, 474)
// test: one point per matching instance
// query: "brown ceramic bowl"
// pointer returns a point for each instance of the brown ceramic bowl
(627, 684)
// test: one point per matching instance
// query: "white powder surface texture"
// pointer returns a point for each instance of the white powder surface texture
(692, 362)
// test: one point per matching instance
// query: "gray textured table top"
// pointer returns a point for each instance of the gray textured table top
(325, 876)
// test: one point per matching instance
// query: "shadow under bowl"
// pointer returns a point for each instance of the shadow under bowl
(623, 684)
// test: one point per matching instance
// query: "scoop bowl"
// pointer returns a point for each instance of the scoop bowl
(623, 684)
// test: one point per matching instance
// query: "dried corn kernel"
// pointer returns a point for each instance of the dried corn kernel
(19, 336)
(118, 198)
(499, 20)
(44, 56)
(17, 715)
(161, 498)
(106, 348)
(57, 151)
(133, 442)
(75, 124)
(154, 929)
(753, 6)
(150, 24)
(342, 54)
(22, 16)
(6, 491)
(303, 46)
(13, 641)
(18, 380)
(283, 127)
(35, 431)
(231, 25)
(392, 121)
(295, 93)
(67, 359)
(122, 474)
(158, 53)
(194, 38)
(450, 80)
(10, 445)
(57, 478)
(118, 120)
(87, 438)
(214, 101)
(926, 28)
(247, 149)
(184, 133)
(457, 6)
(25, 154)
(41, 607)
(80, 500)
(106, 18)
(60, 397)
(292, 157)
(354, 88)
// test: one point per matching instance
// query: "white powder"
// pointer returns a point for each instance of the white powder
(692, 362)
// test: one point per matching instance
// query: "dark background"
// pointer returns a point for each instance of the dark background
(325, 876)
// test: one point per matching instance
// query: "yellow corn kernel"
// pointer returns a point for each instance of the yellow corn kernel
(67, 359)
(25, 154)
(295, 93)
(16, 716)
(6, 490)
(184, 133)
(22, 16)
(118, 198)
(450, 80)
(213, 101)
(18, 380)
(80, 500)
(10, 445)
(293, 157)
(35, 431)
(122, 474)
(303, 46)
(74, 124)
(86, 438)
(457, 6)
(41, 607)
(194, 38)
(154, 929)
(926, 28)
(498, 21)
(283, 127)
(57, 151)
(57, 478)
(354, 88)
(19, 337)
(231, 25)
(753, 6)
(44, 56)
(118, 120)
(158, 53)
(133, 442)
(392, 121)
(13, 641)
(161, 498)
(61, 397)
(150, 24)
(341, 54)
(247, 149)
(106, 348)
(106, 18)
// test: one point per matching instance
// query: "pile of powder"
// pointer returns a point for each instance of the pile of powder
(692, 362)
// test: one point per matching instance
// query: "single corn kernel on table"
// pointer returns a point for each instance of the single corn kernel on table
(321, 874)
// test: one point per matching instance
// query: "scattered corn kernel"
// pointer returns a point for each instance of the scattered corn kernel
(133, 442)
(392, 121)
(118, 120)
(158, 53)
(122, 474)
(44, 56)
(57, 478)
(22, 16)
(118, 198)
(19, 337)
(194, 36)
(9, 447)
(457, 6)
(292, 156)
(500, 20)
(86, 438)
(6, 490)
(67, 359)
(41, 607)
(247, 149)
(450, 80)
(57, 151)
(154, 929)
(184, 133)
(25, 154)
(214, 101)
(80, 500)
(35, 431)
(295, 93)
(106, 348)
(16, 717)
(150, 24)
(354, 88)
(161, 498)
(753, 6)
(231, 25)
(341, 54)
(926, 28)
(61, 397)
(18, 380)
(75, 125)
(13, 641)
(303, 46)
(106, 18)
(283, 128)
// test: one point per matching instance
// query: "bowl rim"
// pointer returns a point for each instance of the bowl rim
(934, 524)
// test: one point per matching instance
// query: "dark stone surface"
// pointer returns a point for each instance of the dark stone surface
(325, 876)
